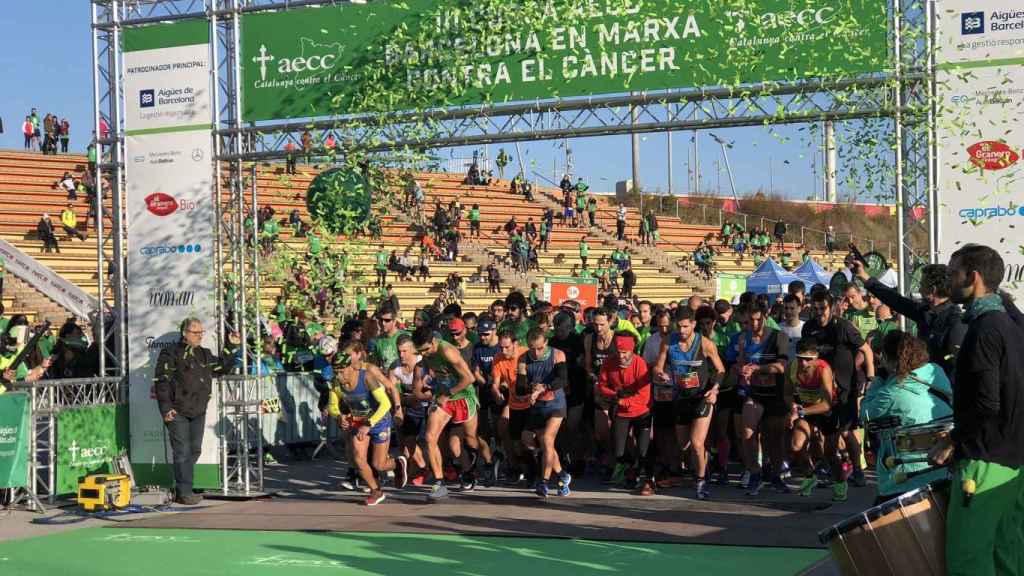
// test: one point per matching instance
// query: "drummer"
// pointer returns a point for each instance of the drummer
(917, 392)
(985, 520)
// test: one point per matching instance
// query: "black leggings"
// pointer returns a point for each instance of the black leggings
(641, 428)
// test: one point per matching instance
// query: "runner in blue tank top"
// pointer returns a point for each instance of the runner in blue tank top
(691, 363)
(542, 375)
(359, 400)
(761, 368)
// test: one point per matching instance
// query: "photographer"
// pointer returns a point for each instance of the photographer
(938, 319)
(183, 382)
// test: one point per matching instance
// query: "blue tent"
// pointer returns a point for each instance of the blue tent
(812, 273)
(769, 278)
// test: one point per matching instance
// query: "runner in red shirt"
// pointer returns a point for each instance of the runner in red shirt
(625, 383)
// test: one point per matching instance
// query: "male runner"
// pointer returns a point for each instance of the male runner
(460, 338)
(815, 395)
(513, 412)
(452, 398)
(482, 364)
(542, 376)
(515, 317)
(684, 360)
(414, 411)
(570, 342)
(625, 384)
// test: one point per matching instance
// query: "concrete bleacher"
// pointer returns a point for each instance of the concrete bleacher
(27, 190)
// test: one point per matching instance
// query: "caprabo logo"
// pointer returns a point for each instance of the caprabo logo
(992, 155)
(170, 249)
(988, 213)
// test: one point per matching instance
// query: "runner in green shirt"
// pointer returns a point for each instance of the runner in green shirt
(383, 349)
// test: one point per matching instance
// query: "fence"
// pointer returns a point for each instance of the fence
(49, 400)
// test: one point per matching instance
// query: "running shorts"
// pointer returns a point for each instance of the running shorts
(380, 433)
(460, 410)
(686, 411)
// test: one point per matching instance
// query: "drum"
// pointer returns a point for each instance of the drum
(919, 438)
(905, 536)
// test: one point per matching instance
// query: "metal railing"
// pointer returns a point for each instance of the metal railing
(48, 398)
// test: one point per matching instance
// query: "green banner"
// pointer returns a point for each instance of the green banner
(14, 440)
(88, 439)
(730, 286)
(418, 54)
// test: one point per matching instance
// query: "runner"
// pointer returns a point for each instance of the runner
(761, 368)
(838, 344)
(668, 472)
(513, 411)
(460, 338)
(482, 364)
(625, 383)
(414, 411)
(452, 399)
(515, 317)
(570, 342)
(792, 325)
(542, 375)
(815, 397)
(359, 400)
(596, 348)
(384, 347)
(683, 360)
(729, 408)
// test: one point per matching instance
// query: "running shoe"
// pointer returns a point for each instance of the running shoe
(564, 481)
(351, 480)
(755, 485)
(375, 497)
(745, 479)
(647, 487)
(618, 475)
(780, 485)
(401, 472)
(840, 491)
(467, 482)
(857, 479)
(824, 475)
(438, 491)
(419, 479)
(807, 485)
(720, 478)
(702, 490)
(784, 472)
(541, 489)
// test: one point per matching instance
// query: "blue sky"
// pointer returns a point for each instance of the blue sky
(53, 72)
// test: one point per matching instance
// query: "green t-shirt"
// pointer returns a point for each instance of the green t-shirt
(584, 250)
(726, 230)
(543, 228)
(520, 329)
(884, 327)
(592, 205)
(314, 244)
(582, 186)
(863, 320)
(382, 261)
(581, 202)
(771, 323)
(474, 215)
(361, 303)
(384, 350)
(585, 273)
(533, 296)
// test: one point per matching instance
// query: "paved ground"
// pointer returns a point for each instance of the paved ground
(307, 499)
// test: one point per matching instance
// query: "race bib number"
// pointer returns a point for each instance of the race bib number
(688, 381)
(663, 394)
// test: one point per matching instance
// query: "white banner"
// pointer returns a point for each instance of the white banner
(170, 233)
(980, 58)
(46, 281)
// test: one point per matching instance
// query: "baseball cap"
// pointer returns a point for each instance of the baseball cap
(456, 325)
(486, 325)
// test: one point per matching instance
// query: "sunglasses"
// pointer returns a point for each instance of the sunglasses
(386, 320)
(423, 350)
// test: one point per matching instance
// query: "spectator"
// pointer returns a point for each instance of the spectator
(295, 221)
(307, 145)
(584, 250)
(545, 232)
(511, 225)
(830, 241)
(780, 234)
(645, 231)
(183, 380)
(44, 229)
(34, 117)
(405, 265)
(90, 153)
(592, 210)
(424, 267)
(527, 190)
(581, 207)
(64, 133)
(289, 160)
(530, 230)
(29, 130)
(513, 186)
(474, 220)
(69, 219)
(620, 223)
(501, 161)
(652, 227)
(565, 185)
(67, 182)
(473, 174)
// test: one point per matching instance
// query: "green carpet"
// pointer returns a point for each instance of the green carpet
(131, 552)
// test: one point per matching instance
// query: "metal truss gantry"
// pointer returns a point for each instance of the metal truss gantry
(902, 94)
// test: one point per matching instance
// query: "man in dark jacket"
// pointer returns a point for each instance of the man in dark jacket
(938, 319)
(985, 519)
(184, 382)
(780, 235)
